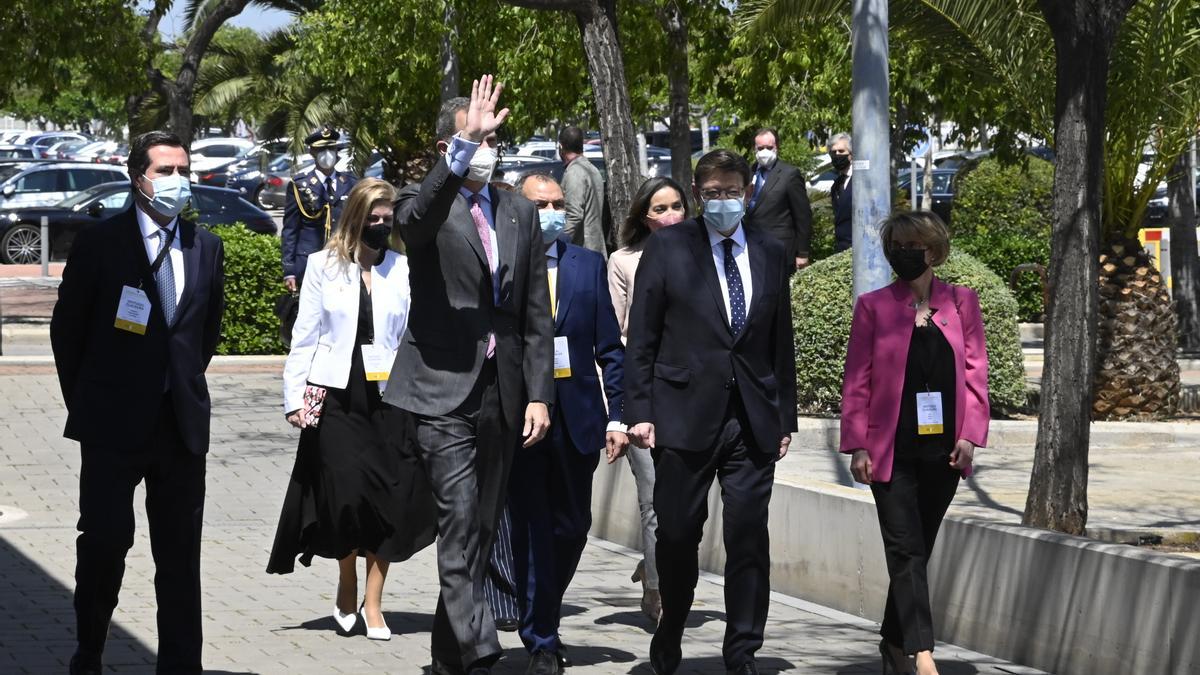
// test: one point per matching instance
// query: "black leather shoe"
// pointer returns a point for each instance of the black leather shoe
(81, 665)
(543, 663)
(564, 661)
(507, 625)
(747, 668)
(441, 668)
(665, 654)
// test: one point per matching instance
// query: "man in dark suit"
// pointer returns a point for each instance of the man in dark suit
(842, 193)
(313, 205)
(710, 385)
(779, 201)
(550, 492)
(475, 365)
(137, 321)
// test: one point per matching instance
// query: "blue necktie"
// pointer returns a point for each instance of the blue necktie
(760, 178)
(164, 278)
(737, 295)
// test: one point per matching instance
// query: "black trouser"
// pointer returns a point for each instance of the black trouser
(682, 481)
(175, 509)
(467, 455)
(911, 507)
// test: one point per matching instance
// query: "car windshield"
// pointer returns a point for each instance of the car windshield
(84, 196)
(9, 170)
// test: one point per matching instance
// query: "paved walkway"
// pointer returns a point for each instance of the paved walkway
(259, 623)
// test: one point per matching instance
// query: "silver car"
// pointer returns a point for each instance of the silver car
(48, 183)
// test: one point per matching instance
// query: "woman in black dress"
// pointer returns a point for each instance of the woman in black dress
(356, 488)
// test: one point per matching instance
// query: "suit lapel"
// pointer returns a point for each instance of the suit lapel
(508, 236)
(190, 244)
(941, 298)
(772, 177)
(758, 275)
(137, 249)
(704, 262)
(568, 267)
(471, 233)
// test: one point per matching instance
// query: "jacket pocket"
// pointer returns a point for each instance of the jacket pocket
(676, 374)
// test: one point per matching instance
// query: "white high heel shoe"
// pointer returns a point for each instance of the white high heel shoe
(383, 633)
(344, 621)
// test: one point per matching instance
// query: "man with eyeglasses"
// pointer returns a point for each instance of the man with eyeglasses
(710, 385)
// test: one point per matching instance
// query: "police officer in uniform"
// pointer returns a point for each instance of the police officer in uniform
(314, 202)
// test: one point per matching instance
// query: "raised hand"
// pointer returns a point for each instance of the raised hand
(482, 117)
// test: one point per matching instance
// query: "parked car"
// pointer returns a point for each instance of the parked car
(1159, 207)
(273, 194)
(213, 153)
(42, 143)
(118, 155)
(251, 182)
(17, 152)
(91, 151)
(944, 185)
(21, 234)
(48, 183)
(63, 150)
(19, 136)
(512, 168)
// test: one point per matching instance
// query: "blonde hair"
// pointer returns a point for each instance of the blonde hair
(923, 226)
(363, 198)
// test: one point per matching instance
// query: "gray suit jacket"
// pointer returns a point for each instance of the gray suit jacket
(452, 311)
(583, 189)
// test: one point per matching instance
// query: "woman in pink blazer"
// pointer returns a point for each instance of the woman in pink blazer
(914, 408)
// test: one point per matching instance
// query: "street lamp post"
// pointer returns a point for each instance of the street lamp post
(872, 175)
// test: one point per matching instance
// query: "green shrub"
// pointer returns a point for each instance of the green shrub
(1002, 216)
(252, 285)
(822, 308)
(822, 225)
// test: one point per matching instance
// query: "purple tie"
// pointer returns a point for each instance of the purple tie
(485, 236)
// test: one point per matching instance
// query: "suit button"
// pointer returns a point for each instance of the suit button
(729, 383)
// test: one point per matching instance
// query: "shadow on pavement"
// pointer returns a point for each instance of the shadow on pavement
(401, 623)
(871, 665)
(716, 664)
(639, 620)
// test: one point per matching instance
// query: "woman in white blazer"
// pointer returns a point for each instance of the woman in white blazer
(356, 488)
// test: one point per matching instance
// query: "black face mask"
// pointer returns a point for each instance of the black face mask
(376, 236)
(908, 264)
(840, 162)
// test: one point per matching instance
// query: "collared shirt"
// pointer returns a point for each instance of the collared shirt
(331, 179)
(458, 158)
(760, 179)
(153, 245)
(552, 270)
(740, 256)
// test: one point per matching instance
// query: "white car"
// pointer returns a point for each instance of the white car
(213, 153)
(48, 183)
(544, 149)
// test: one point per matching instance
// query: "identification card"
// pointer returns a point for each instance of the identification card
(133, 312)
(562, 358)
(377, 361)
(929, 413)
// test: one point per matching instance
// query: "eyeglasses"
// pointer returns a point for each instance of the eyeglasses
(558, 204)
(732, 193)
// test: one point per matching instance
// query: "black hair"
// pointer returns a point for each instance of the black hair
(446, 126)
(768, 130)
(571, 140)
(139, 150)
(724, 161)
(635, 229)
(540, 176)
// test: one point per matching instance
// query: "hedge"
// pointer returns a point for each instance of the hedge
(252, 284)
(1002, 216)
(822, 308)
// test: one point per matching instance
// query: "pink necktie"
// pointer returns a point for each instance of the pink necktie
(485, 236)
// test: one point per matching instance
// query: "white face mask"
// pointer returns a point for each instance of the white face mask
(483, 163)
(765, 156)
(326, 159)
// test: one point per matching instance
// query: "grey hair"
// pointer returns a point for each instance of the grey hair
(842, 136)
(446, 126)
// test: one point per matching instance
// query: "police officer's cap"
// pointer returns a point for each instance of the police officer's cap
(325, 137)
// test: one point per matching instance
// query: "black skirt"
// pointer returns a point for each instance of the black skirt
(358, 485)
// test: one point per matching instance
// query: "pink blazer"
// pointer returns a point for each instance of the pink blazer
(876, 360)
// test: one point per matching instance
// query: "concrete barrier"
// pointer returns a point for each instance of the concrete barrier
(1059, 603)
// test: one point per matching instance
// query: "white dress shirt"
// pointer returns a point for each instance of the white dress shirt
(740, 256)
(154, 245)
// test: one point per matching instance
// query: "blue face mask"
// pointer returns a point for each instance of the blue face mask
(723, 215)
(171, 194)
(553, 223)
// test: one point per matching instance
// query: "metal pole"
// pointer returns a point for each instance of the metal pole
(45, 246)
(871, 176)
(704, 133)
(914, 185)
(643, 162)
(1192, 178)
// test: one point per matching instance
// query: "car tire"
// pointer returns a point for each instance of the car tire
(258, 192)
(22, 245)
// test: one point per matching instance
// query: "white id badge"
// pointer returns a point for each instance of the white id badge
(562, 358)
(929, 413)
(377, 361)
(133, 312)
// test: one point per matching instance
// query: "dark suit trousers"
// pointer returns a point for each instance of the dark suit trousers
(467, 455)
(683, 479)
(550, 498)
(175, 510)
(910, 509)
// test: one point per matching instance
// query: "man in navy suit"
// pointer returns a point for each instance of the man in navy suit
(550, 489)
(313, 205)
(137, 321)
(710, 385)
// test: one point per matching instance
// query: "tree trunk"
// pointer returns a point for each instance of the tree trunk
(1185, 267)
(1084, 32)
(449, 54)
(606, 71)
(672, 18)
